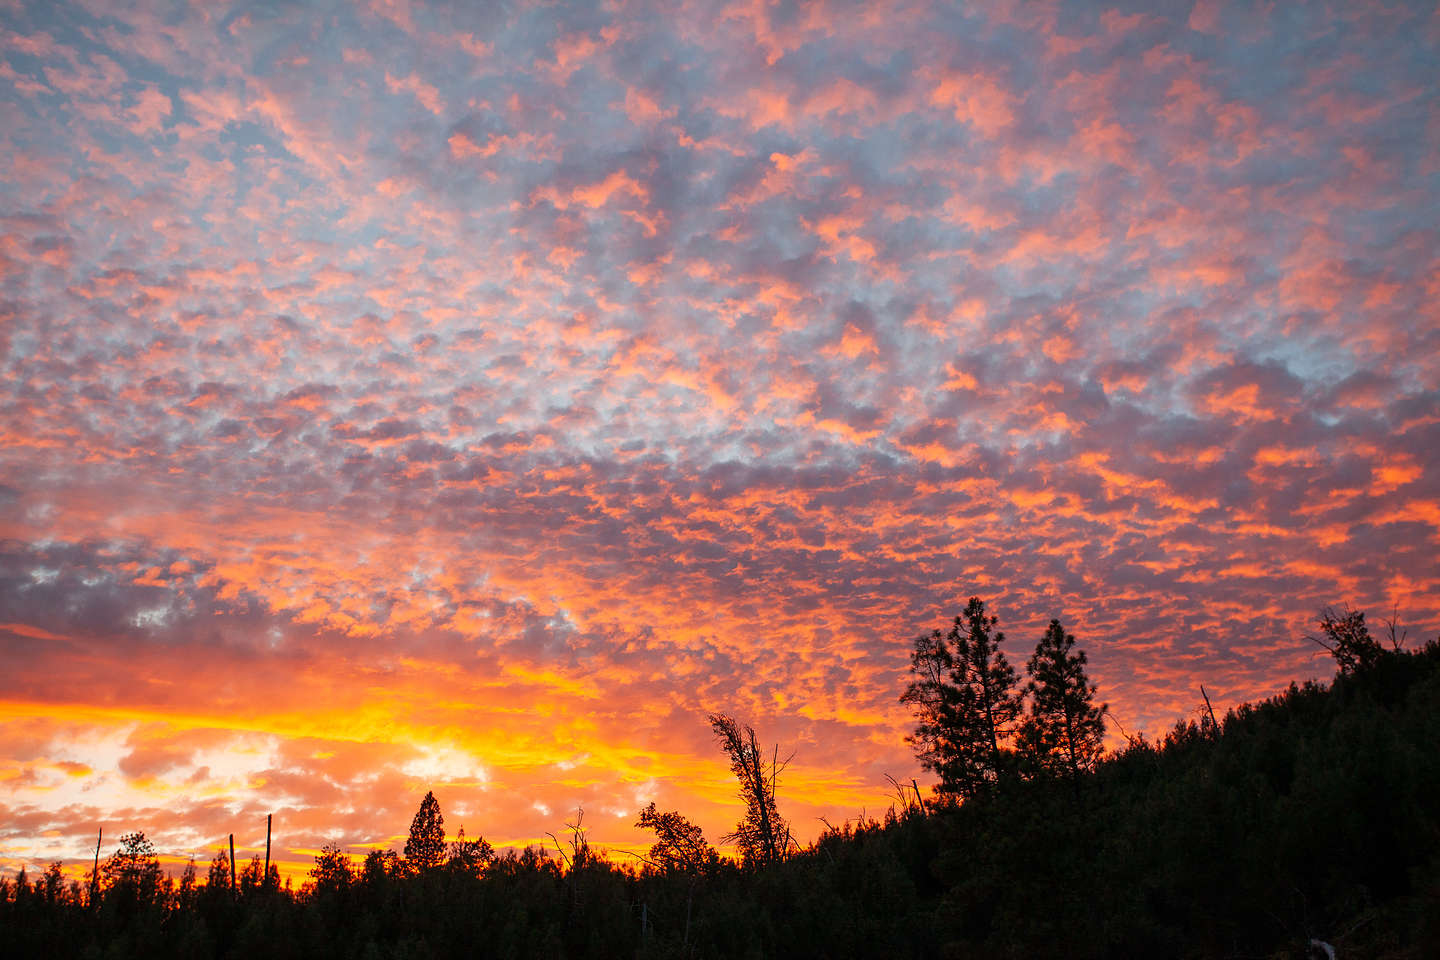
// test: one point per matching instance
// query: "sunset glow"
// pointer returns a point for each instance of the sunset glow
(470, 398)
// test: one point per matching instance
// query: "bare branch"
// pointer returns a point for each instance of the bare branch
(1392, 626)
(559, 848)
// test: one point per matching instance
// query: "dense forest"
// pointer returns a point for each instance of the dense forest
(1305, 824)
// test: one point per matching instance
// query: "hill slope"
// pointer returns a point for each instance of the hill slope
(1315, 814)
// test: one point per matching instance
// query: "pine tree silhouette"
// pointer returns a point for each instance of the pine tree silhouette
(965, 702)
(425, 849)
(1063, 733)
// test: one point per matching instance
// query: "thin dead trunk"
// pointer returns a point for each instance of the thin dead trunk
(95, 874)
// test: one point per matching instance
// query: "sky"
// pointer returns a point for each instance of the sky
(473, 397)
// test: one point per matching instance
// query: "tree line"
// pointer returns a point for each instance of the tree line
(1312, 816)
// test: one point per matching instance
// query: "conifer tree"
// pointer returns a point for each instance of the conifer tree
(931, 695)
(425, 849)
(252, 877)
(965, 702)
(218, 879)
(1063, 733)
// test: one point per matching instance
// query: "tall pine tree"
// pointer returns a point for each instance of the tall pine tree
(1063, 733)
(425, 849)
(965, 701)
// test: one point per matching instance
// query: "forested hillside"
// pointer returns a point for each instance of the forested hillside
(1312, 815)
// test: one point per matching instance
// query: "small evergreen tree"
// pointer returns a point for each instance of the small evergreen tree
(52, 883)
(218, 877)
(965, 702)
(425, 849)
(252, 877)
(1063, 733)
(187, 893)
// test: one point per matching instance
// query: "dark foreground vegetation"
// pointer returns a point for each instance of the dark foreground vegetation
(1314, 815)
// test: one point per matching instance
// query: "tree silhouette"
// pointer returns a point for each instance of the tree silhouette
(1348, 640)
(468, 856)
(1063, 733)
(333, 872)
(679, 844)
(1311, 815)
(763, 836)
(425, 849)
(965, 702)
(132, 873)
(381, 866)
(52, 883)
(254, 878)
(218, 877)
(931, 695)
